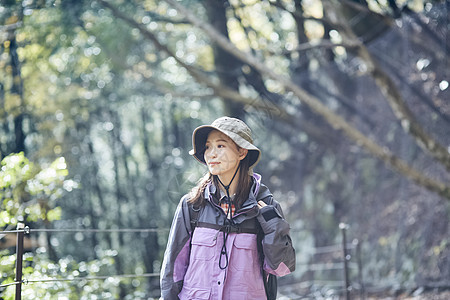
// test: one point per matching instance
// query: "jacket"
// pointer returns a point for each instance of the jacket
(190, 268)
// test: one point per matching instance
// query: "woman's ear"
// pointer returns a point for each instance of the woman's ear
(242, 153)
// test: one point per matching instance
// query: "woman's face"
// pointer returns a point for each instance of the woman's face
(222, 155)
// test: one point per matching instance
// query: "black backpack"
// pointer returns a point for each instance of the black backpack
(271, 284)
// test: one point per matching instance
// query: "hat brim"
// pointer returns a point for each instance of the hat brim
(200, 135)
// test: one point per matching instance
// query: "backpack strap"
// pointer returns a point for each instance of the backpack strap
(228, 228)
(194, 213)
(270, 280)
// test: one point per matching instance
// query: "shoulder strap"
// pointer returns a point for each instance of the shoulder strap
(270, 280)
(235, 228)
(194, 212)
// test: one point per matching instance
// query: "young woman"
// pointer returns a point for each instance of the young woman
(228, 233)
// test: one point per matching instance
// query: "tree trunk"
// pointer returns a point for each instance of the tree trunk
(117, 152)
(17, 90)
(388, 88)
(150, 207)
(95, 185)
(228, 67)
(336, 121)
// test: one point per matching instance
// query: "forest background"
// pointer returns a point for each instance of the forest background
(348, 101)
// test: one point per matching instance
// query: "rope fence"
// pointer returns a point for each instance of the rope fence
(343, 249)
(28, 230)
(8, 284)
(86, 278)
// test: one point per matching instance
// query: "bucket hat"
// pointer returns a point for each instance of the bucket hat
(235, 129)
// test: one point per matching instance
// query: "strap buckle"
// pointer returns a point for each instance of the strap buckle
(227, 228)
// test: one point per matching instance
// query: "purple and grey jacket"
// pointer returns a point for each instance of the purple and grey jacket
(190, 267)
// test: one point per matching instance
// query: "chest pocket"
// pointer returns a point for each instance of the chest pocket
(245, 254)
(204, 242)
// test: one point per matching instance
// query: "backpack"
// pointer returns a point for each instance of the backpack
(270, 280)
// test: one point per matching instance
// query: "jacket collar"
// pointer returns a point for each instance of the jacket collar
(211, 189)
(249, 207)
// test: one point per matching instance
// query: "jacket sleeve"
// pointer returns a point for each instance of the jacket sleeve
(176, 256)
(279, 254)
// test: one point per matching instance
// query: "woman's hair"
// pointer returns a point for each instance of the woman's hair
(197, 199)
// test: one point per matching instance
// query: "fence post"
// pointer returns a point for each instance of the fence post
(348, 287)
(19, 260)
(360, 271)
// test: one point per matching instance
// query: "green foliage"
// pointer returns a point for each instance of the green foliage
(120, 110)
(28, 192)
(63, 277)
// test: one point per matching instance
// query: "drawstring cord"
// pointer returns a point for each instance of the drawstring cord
(227, 222)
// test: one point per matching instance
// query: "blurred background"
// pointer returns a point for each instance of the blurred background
(348, 101)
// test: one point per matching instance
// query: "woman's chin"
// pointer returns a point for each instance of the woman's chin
(214, 171)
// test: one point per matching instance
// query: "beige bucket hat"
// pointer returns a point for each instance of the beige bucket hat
(235, 129)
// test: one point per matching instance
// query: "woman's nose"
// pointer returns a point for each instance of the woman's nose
(213, 152)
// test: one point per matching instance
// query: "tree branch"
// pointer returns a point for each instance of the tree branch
(390, 91)
(326, 44)
(334, 120)
(222, 91)
(393, 69)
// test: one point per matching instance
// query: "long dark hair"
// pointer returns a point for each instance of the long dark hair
(197, 197)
